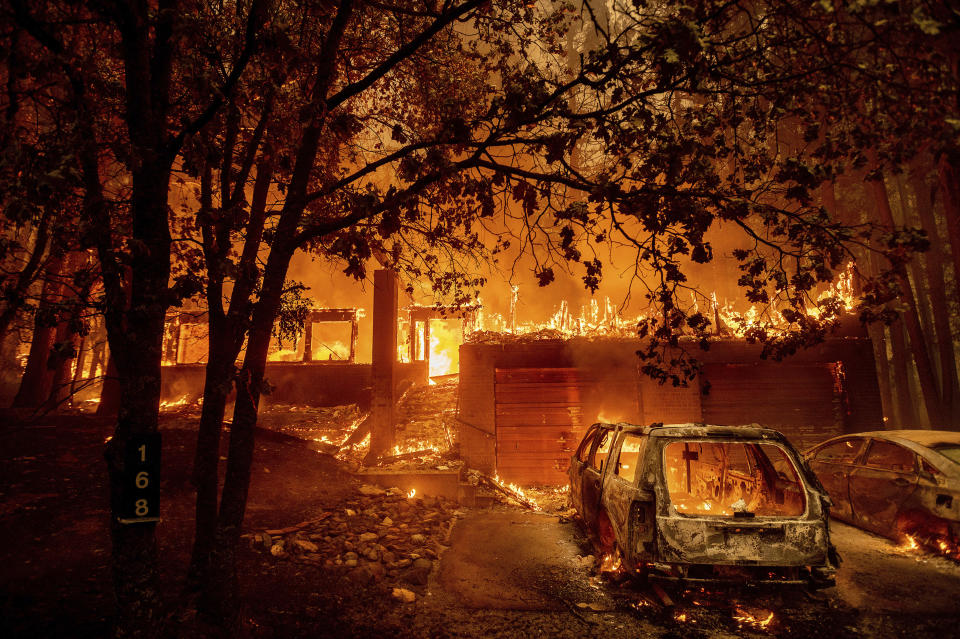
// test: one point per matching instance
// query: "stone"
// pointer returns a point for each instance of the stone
(373, 555)
(418, 539)
(352, 563)
(368, 537)
(419, 572)
(388, 557)
(267, 541)
(361, 575)
(403, 563)
(350, 512)
(276, 550)
(367, 489)
(377, 570)
(588, 561)
(350, 556)
(386, 522)
(304, 545)
(403, 595)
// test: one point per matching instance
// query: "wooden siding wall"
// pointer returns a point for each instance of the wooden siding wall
(613, 389)
(801, 400)
(539, 417)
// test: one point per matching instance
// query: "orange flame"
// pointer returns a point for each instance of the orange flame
(744, 618)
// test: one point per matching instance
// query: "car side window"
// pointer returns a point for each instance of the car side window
(890, 456)
(841, 452)
(602, 449)
(586, 444)
(631, 452)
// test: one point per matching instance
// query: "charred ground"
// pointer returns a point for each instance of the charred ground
(493, 571)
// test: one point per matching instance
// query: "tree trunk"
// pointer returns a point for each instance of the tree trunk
(226, 333)
(217, 384)
(221, 597)
(138, 356)
(38, 377)
(933, 259)
(110, 390)
(905, 412)
(921, 357)
(947, 175)
(62, 354)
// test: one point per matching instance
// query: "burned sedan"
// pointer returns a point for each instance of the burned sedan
(896, 483)
(697, 502)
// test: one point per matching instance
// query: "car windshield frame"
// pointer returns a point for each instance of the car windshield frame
(786, 450)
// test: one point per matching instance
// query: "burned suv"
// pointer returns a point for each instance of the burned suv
(697, 502)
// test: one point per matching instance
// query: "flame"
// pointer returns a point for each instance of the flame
(772, 321)
(934, 543)
(743, 617)
(412, 493)
(284, 355)
(909, 543)
(611, 563)
(607, 419)
(444, 348)
(516, 490)
(414, 446)
(177, 403)
(680, 616)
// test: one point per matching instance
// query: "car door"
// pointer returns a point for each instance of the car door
(620, 490)
(833, 464)
(577, 463)
(881, 484)
(593, 474)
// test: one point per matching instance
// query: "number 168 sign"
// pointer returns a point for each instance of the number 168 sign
(141, 480)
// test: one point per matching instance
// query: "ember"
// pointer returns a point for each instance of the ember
(910, 543)
(516, 492)
(610, 563)
(760, 621)
(177, 403)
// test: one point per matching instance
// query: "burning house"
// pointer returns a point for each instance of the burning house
(526, 397)
(525, 403)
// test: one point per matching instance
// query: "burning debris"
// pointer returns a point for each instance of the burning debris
(760, 620)
(930, 545)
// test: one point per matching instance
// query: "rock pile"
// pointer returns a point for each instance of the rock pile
(378, 536)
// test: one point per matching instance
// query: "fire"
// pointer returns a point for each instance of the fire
(611, 563)
(284, 355)
(933, 544)
(414, 446)
(770, 319)
(745, 618)
(412, 493)
(177, 403)
(444, 348)
(909, 543)
(607, 419)
(516, 490)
